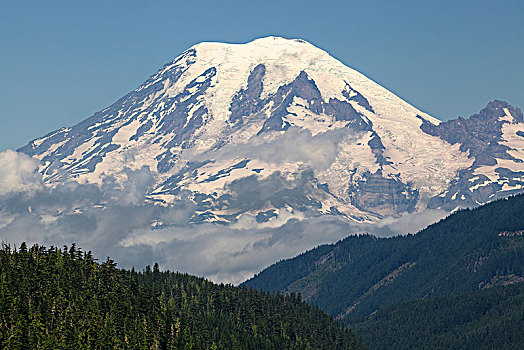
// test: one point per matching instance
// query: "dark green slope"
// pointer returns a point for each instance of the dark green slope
(63, 299)
(468, 251)
(485, 319)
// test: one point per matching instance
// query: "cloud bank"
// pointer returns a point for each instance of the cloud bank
(115, 221)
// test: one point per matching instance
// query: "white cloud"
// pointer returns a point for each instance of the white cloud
(247, 221)
(295, 145)
(412, 223)
(18, 173)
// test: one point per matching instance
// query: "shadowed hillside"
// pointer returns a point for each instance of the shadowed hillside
(468, 251)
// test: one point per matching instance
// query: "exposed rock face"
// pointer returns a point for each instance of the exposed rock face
(278, 127)
(379, 194)
(305, 89)
(247, 101)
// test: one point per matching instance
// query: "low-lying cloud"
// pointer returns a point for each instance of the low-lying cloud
(114, 221)
(295, 145)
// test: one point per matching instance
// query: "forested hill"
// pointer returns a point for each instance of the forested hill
(63, 299)
(468, 251)
(491, 318)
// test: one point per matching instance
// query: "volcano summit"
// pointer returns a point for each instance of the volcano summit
(277, 128)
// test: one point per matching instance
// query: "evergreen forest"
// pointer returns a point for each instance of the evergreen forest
(54, 298)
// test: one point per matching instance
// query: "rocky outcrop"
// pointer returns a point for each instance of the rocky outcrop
(481, 134)
(489, 138)
(382, 195)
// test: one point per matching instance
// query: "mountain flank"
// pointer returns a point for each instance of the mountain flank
(468, 251)
(489, 318)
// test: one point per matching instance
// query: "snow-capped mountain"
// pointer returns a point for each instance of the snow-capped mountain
(278, 127)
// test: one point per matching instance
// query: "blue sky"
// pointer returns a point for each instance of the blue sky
(60, 61)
